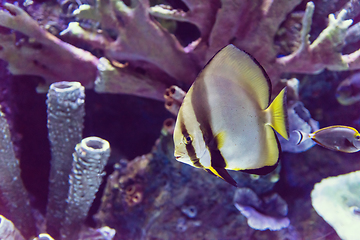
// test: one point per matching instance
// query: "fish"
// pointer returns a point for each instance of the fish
(339, 138)
(226, 121)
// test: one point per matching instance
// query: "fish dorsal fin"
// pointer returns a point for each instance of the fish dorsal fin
(236, 65)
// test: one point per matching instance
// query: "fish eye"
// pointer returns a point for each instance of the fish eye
(357, 137)
(187, 139)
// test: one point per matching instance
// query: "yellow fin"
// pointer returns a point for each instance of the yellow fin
(215, 172)
(272, 147)
(220, 139)
(278, 114)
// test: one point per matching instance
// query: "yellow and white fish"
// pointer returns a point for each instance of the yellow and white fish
(338, 138)
(226, 120)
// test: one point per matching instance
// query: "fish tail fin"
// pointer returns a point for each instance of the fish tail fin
(278, 113)
(302, 136)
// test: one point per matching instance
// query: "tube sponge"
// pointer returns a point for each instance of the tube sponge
(14, 202)
(65, 102)
(90, 158)
(8, 230)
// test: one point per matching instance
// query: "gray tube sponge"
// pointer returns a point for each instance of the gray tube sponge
(14, 201)
(90, 158)
(8, 231)
(65, 102)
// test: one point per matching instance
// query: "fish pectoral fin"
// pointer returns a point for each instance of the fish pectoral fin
(223, 174)
(278, 113)
(217, 142)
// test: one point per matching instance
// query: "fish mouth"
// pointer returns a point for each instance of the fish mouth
(177, 157)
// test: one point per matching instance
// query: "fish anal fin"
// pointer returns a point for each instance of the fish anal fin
(261, 171)
(274, 154)
(223, 174)
(278, 114)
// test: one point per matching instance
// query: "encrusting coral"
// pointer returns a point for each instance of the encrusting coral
(267, 213)
(337, 201)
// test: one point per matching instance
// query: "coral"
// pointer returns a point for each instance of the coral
(104, 233)
(125, 47)
(138, 56)
(348, 91)
(41, 53)
(299, 119)
(174, 97)
(136, 24)
(336, 200)
(90, 158)
(65, 123)
(8, 231)
(14, 201)
(108, 77)
(269, 213)
(311, 58)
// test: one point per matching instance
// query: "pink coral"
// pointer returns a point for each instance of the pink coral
(130, 34)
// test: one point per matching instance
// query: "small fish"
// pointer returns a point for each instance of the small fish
(226, 120)
(338, 138)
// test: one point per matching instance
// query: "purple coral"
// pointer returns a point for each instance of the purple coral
(269, 213)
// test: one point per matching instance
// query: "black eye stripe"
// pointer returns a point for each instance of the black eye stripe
(189, 146)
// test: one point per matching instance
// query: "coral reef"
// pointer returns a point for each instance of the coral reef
(154, 50)
(175, 204)
(154, 58)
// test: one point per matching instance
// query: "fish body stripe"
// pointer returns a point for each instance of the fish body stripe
(190, 148)
(203, 116)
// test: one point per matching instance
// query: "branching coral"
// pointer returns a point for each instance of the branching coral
(129, 27)
(42, 54)
(154, 58)
(325, 51)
